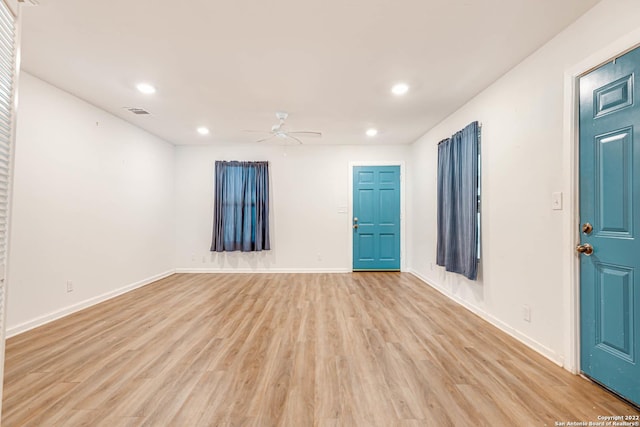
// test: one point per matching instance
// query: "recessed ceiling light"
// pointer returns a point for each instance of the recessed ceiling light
(203, 130)
(372, 132)
(146, 88)
(400, 89)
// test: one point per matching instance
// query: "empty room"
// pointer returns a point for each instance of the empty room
(330, 213)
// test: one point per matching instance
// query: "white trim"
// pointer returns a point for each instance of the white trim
(571, 276)
(260, 271)
(403, 216)
(571, 217)
(514, 333)
(42, 320)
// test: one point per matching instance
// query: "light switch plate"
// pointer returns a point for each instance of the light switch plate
(556, 201)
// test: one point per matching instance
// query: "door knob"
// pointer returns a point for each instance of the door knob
(586, 249)
(587, 228)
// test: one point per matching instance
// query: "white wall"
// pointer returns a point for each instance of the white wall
(523, 145)
(93, 203)
(309, 184)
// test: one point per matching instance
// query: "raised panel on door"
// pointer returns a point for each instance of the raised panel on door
(614, 183)
(366, 247)
(365, 177)
(613, 314)
(388, 177)
(387, 207)
(388, 250)
(366, 202)
(613, 96)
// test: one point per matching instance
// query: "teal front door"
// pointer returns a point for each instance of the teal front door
(376, 218)
(610, 225)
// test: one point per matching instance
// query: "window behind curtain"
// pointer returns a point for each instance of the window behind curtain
(241, 212)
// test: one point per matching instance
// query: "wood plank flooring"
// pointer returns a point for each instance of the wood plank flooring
(362, 349)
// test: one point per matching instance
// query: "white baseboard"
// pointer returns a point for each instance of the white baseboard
(526, 340)
(205, 270)
(39, 321)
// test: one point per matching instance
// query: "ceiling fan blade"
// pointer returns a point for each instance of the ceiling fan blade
(306, 133)
(266, 139)
(294, 138)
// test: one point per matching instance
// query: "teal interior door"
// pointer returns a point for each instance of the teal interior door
(376, 218)
(610, 225)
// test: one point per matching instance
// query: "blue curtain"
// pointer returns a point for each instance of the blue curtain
(241, 213)
(457, 249)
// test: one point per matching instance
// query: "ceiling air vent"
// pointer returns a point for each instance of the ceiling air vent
(138, 111)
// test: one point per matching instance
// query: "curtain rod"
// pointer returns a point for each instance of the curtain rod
(479, 129)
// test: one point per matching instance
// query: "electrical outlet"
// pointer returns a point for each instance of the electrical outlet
(69, 286)
(526, 313)
(193, 257)
(319, 257)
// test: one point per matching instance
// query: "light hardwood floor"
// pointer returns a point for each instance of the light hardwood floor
(365, 349)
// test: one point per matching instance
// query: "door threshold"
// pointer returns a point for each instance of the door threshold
(364, 270)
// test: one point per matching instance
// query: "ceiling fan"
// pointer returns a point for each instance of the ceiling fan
(279, 130)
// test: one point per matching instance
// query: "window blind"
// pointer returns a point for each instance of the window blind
(8, 49)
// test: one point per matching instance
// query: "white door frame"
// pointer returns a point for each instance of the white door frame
(401, 163)
(571, 218)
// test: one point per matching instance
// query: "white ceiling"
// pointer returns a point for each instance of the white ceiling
(230, 65)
